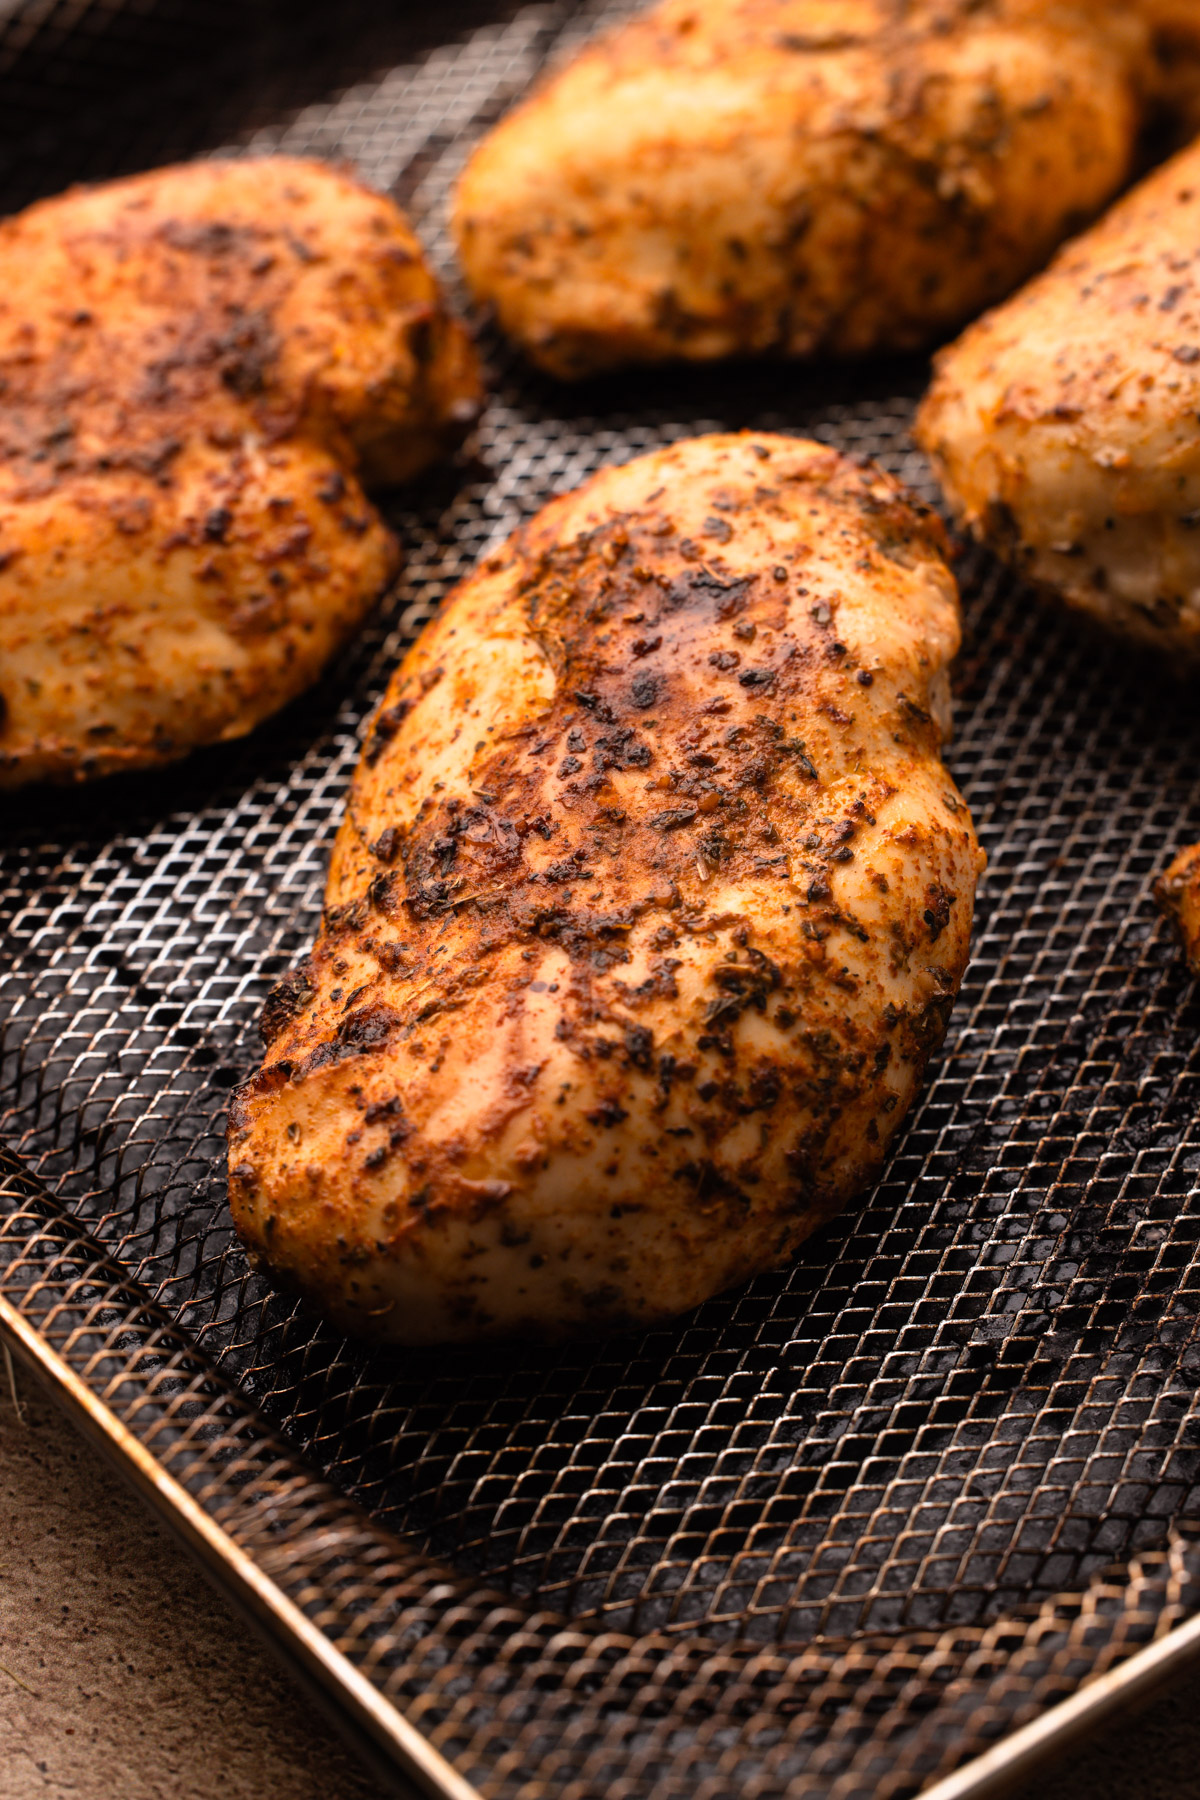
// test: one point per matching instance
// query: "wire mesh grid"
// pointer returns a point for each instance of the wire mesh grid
(833, 1533)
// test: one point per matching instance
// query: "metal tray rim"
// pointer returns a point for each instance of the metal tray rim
(376, 1729)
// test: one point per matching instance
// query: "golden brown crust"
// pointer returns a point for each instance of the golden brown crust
(725, 176)
(198, 367)
(1177, 892)
(1063, 424)
(651, 900)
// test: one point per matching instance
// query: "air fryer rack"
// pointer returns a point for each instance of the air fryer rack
(835, 1533)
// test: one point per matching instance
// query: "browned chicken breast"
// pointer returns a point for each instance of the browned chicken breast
(726, 176)
(1064, 424)
(651, 900)
(1178, 896)
(198, 367)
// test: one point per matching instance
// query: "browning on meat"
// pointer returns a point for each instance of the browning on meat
(198, 368)
(1178, 895)
(651, 901)
(1063, 424)
(730, 176)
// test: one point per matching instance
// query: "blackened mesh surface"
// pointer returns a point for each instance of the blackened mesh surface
(836, 1531)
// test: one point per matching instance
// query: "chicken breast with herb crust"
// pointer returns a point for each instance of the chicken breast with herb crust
(650, 903)
(199, 370)
(724, 177)
(1063, 424)
(1177, 892)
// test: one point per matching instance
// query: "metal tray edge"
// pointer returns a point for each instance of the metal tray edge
(377, 1731)
(1029, 1750)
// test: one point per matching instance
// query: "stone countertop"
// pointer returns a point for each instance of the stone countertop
(125, 1677)
(138, 1682)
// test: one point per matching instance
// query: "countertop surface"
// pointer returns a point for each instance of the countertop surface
(125, 1677)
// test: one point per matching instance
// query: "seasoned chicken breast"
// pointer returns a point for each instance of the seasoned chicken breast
(724, 176)
(1178, 895)
(1063, 425)
(651, 900)
(198, 369)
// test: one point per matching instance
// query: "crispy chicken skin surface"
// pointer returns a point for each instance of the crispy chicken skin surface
(651, 900)
(198, 367)
(1063, 424)
(729, 176)
(1178, 895)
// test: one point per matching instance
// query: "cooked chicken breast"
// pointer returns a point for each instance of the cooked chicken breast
(198, 368)
(651, 900)
(1063, 425)
(1178, 896)
(726, 176)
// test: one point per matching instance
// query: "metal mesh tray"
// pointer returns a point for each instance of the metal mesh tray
(835, 1534)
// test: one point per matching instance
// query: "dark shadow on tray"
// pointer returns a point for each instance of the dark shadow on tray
(1033, 633)
(134, 85)
(212, 778)
(742, 393)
